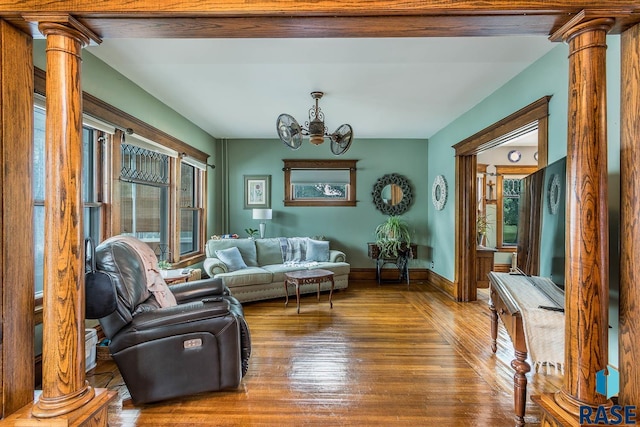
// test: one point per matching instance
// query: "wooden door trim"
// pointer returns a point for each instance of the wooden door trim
(466, 166)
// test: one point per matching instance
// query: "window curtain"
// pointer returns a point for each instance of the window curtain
(529, 223)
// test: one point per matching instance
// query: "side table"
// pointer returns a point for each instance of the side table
(302, 277)
(172, 277)
(402, 261)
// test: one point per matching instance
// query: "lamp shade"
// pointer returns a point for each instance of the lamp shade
(262, 214)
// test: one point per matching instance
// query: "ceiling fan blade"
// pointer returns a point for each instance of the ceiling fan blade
(341, 139)
(289, 131)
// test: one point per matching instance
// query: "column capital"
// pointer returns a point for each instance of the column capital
(587, 20)
(63, 24)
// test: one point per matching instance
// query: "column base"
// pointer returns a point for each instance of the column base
(93, 414)
(554, 415)
(49, 408)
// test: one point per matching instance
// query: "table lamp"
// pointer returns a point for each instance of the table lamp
(262, 214)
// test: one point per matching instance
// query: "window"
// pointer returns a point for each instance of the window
(510, 206)
(144, 197)
(320, 182)
(92, 140)
(38, 197)
(508, 203)
(191, 208)
(162, 199)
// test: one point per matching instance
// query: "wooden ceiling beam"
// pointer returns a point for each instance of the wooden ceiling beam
(312, 19)
(308, 7)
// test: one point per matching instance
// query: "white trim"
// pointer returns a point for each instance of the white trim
(97, 124)
(40, 101)
(142, 142)
(195, 163)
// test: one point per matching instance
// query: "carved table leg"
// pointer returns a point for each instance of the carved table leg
(286, 293)
(298, 294)
(331, 293)
(520, 385)
(494, 327)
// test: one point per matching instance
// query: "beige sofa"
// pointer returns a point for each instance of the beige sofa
(262, 276)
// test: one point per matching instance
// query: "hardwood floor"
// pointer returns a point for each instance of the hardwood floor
(384, 355)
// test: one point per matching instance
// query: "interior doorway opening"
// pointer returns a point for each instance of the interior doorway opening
(523, 121)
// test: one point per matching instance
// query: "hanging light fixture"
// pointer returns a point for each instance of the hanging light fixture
(291, 133)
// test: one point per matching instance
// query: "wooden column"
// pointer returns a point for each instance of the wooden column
(587, 263)
(629, 338)
(64, 387)
(466, 191)
(16, 219)
(587, 234)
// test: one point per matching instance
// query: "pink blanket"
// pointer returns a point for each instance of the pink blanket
(155, 283)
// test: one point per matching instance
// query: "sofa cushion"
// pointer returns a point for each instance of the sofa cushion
(232, 258)
(269, 251)
(317, 250)
(278, 270)
(247, 276)
(338, 268)
(247, 248)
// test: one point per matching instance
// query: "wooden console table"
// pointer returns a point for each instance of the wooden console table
(484, 264)
(402, 261)
(503, 305)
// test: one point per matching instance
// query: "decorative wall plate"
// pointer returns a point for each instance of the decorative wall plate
(514, 156)
(439, 192)
(554, 193)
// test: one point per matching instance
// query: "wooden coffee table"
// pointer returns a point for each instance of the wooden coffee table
(302, 277)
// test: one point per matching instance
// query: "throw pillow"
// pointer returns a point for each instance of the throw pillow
(317, 250)
(232, 258)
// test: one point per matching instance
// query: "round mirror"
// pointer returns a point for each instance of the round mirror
(392, 194)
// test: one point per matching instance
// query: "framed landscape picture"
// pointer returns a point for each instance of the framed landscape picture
(257, 191)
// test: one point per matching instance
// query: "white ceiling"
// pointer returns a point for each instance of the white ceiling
(384, 88)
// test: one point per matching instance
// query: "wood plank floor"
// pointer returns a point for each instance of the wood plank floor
(384, 355)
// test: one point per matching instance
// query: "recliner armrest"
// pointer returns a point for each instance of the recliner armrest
(198, 289)
(337, 256)
(182, 313)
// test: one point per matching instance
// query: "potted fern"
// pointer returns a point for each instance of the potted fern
(392, 236)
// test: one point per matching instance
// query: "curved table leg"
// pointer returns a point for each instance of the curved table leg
(286, 293)
(520, 385)
(494, 327)
(331, 293)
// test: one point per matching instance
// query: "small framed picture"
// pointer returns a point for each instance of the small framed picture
(257, 191)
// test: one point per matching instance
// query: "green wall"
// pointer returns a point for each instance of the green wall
(105, 83)
(349, 228)
(547, 76)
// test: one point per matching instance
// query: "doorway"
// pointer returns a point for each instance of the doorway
(466, 153)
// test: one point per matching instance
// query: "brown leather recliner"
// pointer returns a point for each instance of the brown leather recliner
(201, 344)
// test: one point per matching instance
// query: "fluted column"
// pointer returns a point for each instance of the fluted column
(64, 387)
(629, 338)
(587, 240)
